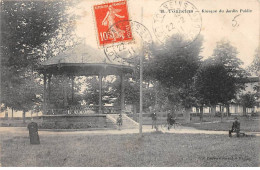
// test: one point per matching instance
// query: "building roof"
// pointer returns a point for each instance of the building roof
(84, 60)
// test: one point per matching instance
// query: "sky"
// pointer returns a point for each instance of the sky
(214, 26)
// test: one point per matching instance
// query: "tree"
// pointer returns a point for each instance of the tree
(60, 96)
(248, 100)
(131, 90)
(255, 65)
(26, 27)
(23, 95)
(28, 30)
(220, 77)
(174, 68)
(91, 94)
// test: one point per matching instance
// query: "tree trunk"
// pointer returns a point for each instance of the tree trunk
(31, 114)
(12, 113)
(228, 111)
(244, 110)
(201, 114)
(221, 112)
(6, 113)
(23, 116)
(236, 107)
(197, 110)
(187, 115)
(213, 109)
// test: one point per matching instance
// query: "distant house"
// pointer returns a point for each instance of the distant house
(236, 108)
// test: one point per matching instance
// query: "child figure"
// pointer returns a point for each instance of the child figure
(119, 121)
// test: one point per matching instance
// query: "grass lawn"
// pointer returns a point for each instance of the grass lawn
(245, 125)
(17, 122)
(154, 149)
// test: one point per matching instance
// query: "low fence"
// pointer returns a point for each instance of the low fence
(81, 110)
(73, 121)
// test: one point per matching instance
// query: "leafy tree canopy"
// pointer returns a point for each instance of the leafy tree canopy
(174, 68)
(255, 65)
(29, 31)
(172, 65)
(248, 100)
(220, 77)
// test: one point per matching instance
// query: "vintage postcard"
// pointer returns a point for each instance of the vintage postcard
(130, 83)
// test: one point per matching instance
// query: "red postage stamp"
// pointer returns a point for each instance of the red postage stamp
(112, 22)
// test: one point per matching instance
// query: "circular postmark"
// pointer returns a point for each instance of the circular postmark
(177, 19)
(127, 51)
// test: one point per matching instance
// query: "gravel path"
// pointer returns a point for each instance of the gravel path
(146, 129)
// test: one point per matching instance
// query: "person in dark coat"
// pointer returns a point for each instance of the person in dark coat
(154, 118)
(33, 133)
(235, 127)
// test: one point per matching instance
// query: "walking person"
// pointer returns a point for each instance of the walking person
(154, 118)
(119, 121)
(170, 120)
